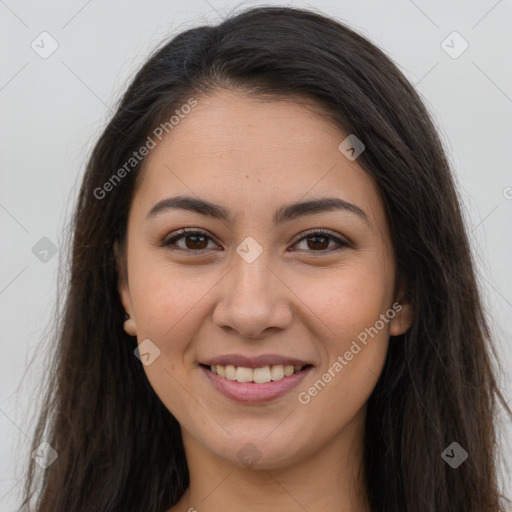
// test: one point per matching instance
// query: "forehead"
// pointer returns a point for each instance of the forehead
(246, 152)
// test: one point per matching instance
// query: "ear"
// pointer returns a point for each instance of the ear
(404, 313)
(123, 288)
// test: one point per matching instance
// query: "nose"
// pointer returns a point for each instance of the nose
(253, 299)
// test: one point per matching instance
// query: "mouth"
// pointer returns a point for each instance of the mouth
(261, 375)
(254, 380)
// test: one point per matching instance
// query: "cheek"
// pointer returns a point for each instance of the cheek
(350, 304)
(350, 300)
(168, 301)
(168, 308)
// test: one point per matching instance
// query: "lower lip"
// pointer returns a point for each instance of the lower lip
(252, 392)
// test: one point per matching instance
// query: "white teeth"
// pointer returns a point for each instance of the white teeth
(244, 374)
(229, 371)
(277, 372)
(288, 370)
(258, 375)
(261, 375)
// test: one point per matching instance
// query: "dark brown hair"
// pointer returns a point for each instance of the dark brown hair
(119, 448)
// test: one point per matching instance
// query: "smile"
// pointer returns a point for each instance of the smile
(259, 384)
(257, 375)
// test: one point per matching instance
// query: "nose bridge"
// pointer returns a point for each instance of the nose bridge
(250, 281)
(252, 300)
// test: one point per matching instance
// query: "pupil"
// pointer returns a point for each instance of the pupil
(195, 237)
(316, 238)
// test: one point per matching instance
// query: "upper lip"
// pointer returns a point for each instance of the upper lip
(254, 362)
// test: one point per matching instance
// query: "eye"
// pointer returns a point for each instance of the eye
(319, 240)
(196, 240)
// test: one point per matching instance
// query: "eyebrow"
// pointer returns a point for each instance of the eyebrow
(283, 214)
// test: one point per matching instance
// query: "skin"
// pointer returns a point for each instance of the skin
(296, 299)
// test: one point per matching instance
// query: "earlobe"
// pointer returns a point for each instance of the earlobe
(404, 313)
(402, 320)
(130, 327)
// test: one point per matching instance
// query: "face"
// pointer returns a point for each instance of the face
(258, 289)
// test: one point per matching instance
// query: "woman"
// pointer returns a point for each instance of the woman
(272, 302)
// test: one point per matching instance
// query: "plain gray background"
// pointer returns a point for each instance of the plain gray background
(53, 109)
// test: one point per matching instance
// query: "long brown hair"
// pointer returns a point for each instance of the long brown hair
(119, 448)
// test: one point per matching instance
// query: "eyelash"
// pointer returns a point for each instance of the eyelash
(186, 232)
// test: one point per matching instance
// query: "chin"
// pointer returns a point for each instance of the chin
(258, 452)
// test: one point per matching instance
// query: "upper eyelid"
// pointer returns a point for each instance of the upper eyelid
(322, 231)
(187, 231)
